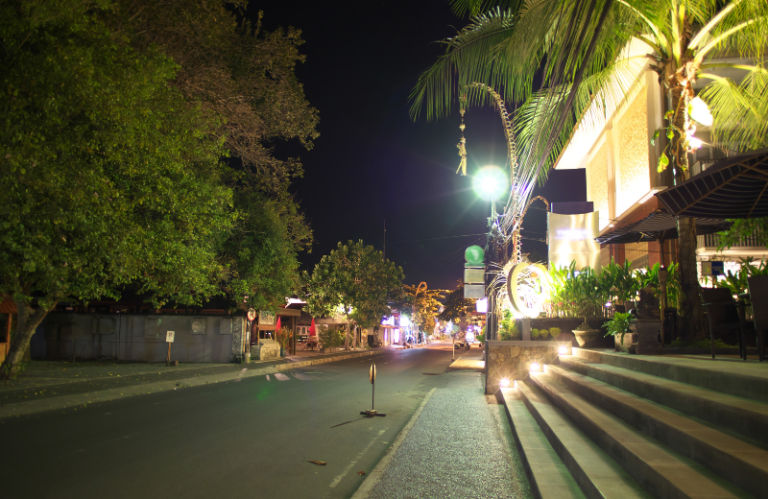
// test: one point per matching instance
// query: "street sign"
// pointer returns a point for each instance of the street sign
(474, 291)
(372, 373)
(474, 275)
(251, 314)
(169, 335)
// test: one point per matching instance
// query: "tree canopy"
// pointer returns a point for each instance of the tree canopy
(455, 305)
(353, 280)
(113, 155)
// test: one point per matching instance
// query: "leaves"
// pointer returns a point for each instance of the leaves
(353, 280)
(663, 162)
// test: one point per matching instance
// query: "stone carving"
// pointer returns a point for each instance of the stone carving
(238, 327)
(198, 326)
(269, 349)
(647, 306)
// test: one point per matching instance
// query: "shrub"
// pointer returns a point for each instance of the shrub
(332, 336)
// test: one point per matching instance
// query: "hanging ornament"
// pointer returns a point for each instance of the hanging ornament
(462, 145)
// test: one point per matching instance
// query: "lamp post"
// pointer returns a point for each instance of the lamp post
(491, 183)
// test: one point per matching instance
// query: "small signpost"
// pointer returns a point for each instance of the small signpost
(169, 336)
(372, 378)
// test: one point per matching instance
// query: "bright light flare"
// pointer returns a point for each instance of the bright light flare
(490, 182)
(504, 383)
(563, 350)
(699, 111)
(535, 367)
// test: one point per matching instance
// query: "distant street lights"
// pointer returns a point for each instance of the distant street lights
(491, 183)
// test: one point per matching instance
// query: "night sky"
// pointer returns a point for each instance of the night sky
(371, 162)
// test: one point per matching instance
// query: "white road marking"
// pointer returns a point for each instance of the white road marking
(336, 480)
(302, 377)
(281, 377)
(268, 379)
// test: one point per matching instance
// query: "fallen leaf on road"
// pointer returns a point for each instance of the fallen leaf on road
(361, 473)
(319, 463)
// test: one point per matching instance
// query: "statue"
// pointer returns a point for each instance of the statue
(647, 307)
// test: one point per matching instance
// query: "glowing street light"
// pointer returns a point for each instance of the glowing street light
(491, 183)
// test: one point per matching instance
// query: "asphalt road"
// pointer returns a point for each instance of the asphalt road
(251, 438)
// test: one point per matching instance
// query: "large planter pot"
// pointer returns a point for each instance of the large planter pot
(626, 344)
(647, 333)
(588, 339)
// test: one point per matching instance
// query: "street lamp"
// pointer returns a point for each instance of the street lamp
(491, 183)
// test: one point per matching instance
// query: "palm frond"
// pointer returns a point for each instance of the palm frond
(597, 98)
(471, 8)
(468, 56)
(740, 111)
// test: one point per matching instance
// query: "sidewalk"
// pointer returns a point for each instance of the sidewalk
(458, 445)
(48, 385)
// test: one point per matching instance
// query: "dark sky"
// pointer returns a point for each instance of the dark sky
(371, 161)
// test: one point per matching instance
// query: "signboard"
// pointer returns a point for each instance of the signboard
(474, 291)
(572, 238)
(474, 275)
(251, 314)
(169, 335)
(266, 318)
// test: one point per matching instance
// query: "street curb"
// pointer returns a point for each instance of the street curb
(82, 399)
(374, 476)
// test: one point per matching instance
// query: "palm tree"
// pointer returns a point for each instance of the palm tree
(578, 51)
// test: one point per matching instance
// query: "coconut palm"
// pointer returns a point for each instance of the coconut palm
(578, 50)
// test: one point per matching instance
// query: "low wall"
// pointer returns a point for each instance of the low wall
(138, 337)
(512, 360)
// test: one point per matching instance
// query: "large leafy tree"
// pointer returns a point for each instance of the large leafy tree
(353, 280)
(455, 305)
(108, 175)
(425, 303)
(245, 75)
(578, 50)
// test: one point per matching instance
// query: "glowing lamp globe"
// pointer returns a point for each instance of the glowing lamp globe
(490, 182)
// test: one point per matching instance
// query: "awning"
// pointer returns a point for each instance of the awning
(735, 187)
(659, 225)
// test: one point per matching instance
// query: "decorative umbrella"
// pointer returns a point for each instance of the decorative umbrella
(659, 226)
(735, 187)
(312, 329)
(277, 325)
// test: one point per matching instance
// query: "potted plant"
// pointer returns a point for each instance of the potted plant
(618, 327)
(284, 337)
(582, 306)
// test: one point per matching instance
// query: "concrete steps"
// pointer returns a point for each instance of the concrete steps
(746, 417)
(621, 432)
(547, 474)
(741, 379)
(737, 461)
(597, 475)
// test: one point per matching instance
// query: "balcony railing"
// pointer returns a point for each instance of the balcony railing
(713, 241)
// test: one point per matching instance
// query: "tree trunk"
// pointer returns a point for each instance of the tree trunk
(691, 310)
(26, 324)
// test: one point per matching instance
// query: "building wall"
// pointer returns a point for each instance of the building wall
(633, 179)
(597, 181)
(138, 337)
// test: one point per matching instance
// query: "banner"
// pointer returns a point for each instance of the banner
(572, 238)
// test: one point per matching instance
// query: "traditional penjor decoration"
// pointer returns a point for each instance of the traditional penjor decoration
(462, 145)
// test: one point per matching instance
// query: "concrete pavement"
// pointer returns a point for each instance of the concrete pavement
(457, 445)
(49, 385)
(253, 438)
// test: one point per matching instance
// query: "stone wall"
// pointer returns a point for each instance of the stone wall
(512, 360)
(139, 337)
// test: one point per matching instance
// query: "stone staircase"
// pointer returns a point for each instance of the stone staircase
(599, 424)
